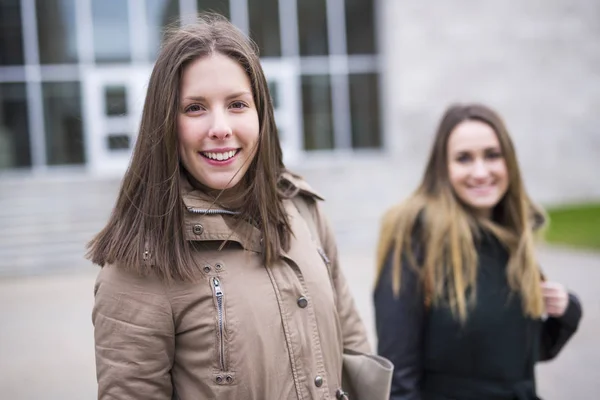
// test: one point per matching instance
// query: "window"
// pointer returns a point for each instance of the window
(11, 39)
(360, 27)
(218, 6)
(62, 121)
(312, 27)
(316, 107)
(159, 14)
(57, 35)
(364, 109)
(14, 126)
(111, 31)
(264, 26)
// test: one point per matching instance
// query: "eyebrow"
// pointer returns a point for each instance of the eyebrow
(231, 96)
(491, 148)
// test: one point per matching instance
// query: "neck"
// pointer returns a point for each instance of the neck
(231, 198)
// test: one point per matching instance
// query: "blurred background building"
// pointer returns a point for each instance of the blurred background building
(358, 87)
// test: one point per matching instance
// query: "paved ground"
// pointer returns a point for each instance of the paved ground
(46, 344)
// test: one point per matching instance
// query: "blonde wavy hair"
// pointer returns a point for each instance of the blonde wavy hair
(447, 259)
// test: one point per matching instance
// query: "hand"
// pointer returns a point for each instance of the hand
(556, 298)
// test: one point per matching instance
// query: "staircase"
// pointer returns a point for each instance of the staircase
(45, 222)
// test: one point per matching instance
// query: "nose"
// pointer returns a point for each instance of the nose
(220, 128)
(480, 169)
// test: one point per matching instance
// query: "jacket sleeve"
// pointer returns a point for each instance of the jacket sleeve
(400, 326)
(134, 336)
(353, 328)
(556, 332)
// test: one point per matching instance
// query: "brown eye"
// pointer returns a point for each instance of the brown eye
(193, 108)
(463, 158)
(493, 155)
(238, 105)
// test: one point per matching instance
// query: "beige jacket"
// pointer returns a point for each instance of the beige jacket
(241, 330)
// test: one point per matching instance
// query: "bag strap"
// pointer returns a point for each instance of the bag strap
(303, 208)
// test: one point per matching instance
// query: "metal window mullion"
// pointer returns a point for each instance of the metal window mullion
(138, 30)
(188, 10)
(338, 64)
(85, 32)
(288, 28)
(290, 53)
(12, 74)
(238, 10)
(37, 133)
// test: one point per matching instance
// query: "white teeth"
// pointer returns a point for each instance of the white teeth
(220, 156)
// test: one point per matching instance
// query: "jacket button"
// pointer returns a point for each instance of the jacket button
(198, 229)
(318, 381)
(302, 302)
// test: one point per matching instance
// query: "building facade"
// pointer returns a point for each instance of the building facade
(73, 74)
(358, 85)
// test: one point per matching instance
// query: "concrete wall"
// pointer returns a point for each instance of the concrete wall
(536, 61)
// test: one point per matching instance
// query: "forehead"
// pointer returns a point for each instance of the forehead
(213, 74)
(472, 135)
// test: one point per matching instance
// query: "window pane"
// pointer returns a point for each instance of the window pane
(111, 31)
(312, 27)
(264, 26)
(57, 36)
(316, 107)
(218, 6)
(159, 14)
(62, 119)
(115, 99)
(360, 27)
(364, 108)
(11, 39)
(14, 126)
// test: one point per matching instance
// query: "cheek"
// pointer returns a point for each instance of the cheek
(501, 171)
(456, 174)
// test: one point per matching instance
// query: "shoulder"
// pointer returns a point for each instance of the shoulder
(292, 185)
(119, 278)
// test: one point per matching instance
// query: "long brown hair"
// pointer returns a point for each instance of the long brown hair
(147, 223)
(445, 229)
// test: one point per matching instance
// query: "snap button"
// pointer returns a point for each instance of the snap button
(302, 302)
(207, 268)
(318, 381)
(198, 229)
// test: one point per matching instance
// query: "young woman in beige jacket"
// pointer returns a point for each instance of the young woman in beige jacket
(212, 284)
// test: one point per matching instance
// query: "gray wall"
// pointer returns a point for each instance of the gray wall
(536, 61)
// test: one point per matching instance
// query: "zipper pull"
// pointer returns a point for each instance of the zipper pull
(217, 285)
(324, 256)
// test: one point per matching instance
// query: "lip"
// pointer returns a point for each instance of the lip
(220, 150)
(221, 163)
(482, 190)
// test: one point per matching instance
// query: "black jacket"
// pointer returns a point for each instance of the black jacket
(490, 356)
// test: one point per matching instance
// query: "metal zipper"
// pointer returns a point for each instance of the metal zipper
(204, 211)
(220, 316)
(324, 256)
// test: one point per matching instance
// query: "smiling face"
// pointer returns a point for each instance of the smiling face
(217, 123)
(476, 166)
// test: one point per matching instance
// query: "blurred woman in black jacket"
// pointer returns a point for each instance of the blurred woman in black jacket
(461, 306)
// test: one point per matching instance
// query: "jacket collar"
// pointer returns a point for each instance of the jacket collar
(206, 220)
